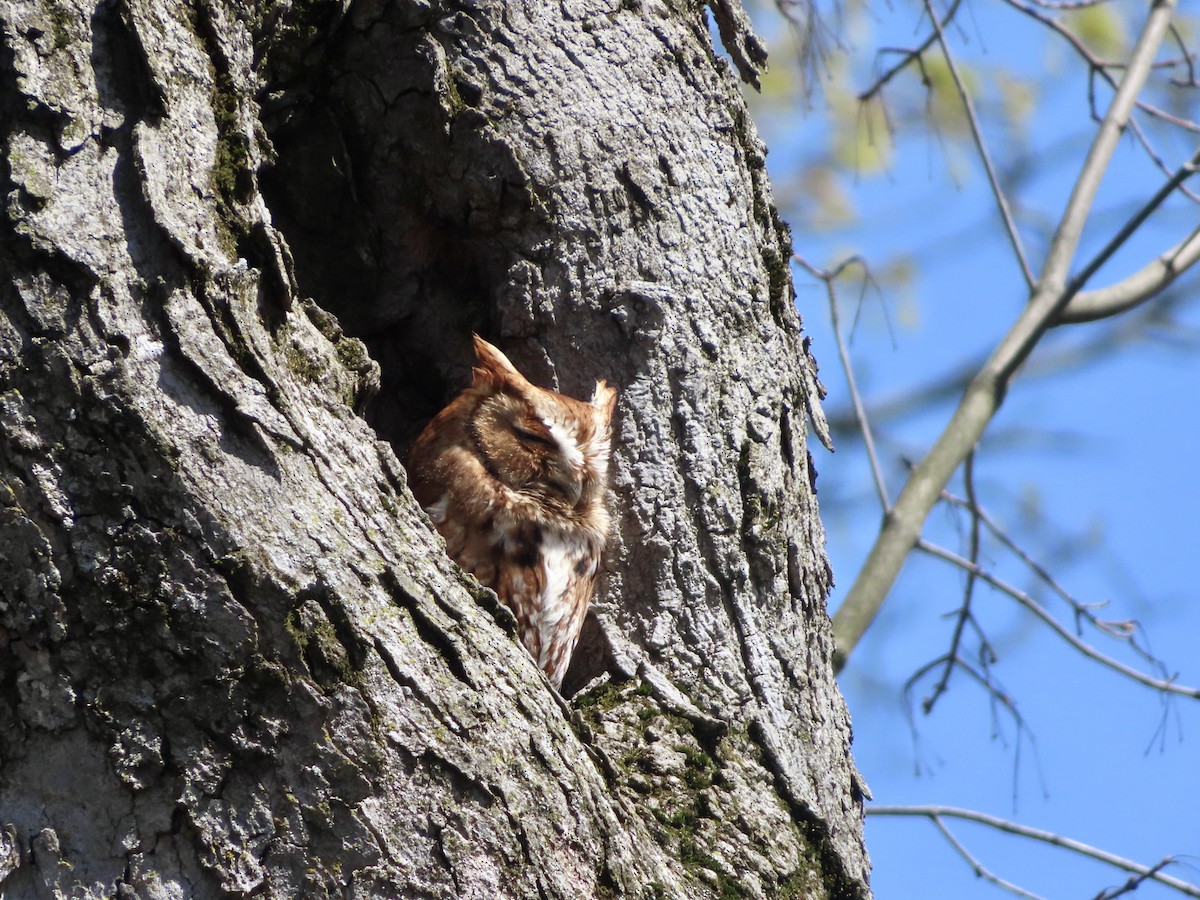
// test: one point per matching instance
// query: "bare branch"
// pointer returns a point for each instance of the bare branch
(908, 56)
(1101, 67)
(1147, 282)
(1102, 345)
(1010, 226)
(1124, 630)
(815, 38)
(977, 867)
(1165, 685)
(1144, 284)
(936, 813)
(1134, 881)
(1066, 238)
(864, 426)
(996, 694)
(964, 611)
(1068, 4)
(1118, 240)
(1098, 67)
(986, 391)
(1188, 59)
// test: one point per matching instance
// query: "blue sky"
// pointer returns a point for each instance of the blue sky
(1105, 454)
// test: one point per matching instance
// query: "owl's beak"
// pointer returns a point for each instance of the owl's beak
(569, 485)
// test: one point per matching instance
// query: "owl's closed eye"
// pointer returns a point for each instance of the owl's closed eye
(515, 477)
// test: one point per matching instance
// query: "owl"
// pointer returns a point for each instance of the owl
(515, 477)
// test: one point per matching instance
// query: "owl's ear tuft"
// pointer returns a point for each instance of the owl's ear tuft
(494, 366)
(604, 400)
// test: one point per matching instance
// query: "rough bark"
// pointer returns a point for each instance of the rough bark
(233, 657)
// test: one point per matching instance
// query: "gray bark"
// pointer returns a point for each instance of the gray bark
(234, 659)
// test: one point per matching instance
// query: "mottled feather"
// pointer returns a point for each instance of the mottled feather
(515, 477)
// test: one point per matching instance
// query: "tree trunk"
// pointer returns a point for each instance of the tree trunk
(234, 659)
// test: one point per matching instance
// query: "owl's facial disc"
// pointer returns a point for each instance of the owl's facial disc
(530, 449)
(562, 461)
(569, 484)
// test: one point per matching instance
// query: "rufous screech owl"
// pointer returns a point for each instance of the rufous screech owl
(515, 477)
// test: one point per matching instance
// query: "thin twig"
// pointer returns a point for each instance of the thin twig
(996, 694)
(1010, 226)
(977, 867)
(1127, 230)
(1096, 67)
(1134, 881)
(964, 611)
(864, 425)
(1101, 67)
(907, 56)
(935, 813)
(998, 699)
(1165, 685)
(1144, 284)
(1188, 59)
(1149, 280)
(1068, 4)
(1126, 631)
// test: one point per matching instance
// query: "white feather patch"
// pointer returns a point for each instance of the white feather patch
(566, 437)
(559, 554)
(437, 511)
